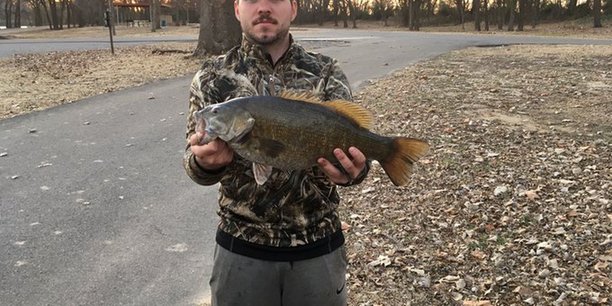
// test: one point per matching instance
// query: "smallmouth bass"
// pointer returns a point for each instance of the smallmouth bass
(292, 131)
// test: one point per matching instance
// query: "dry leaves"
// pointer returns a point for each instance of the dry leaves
(512, 204)
(37, 81)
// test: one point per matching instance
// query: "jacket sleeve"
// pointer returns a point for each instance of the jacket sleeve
(337, 86)
(201, 93)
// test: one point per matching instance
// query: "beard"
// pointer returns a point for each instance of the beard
(267, 38)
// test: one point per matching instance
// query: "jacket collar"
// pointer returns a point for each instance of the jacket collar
(250, 49)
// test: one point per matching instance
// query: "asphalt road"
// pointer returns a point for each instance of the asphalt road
(95, 208)
(9, 47)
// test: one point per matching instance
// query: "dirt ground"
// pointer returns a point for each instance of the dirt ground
(510, 207)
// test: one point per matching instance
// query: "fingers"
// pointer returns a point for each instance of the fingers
(194, 139)
(334, 174)
(212, 155)
(353, 165)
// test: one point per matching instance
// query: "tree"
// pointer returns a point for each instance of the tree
(8, 10)
(485, 9)
(17, 13)
(321, 10)
(37, 11)
(597, 14)
(460, 4)
(352, 11)
(511, 8)
(219, 29)
(155, 9)
(476, 13)
(501, 14)
(535, 13)
(89, 12)
(382, 10)
(571, 7)
(522, 14)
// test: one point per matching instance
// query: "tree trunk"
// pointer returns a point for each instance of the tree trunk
(8, 10)
(416, 14)
(54, 17)
(571, 7)
(44, 6)
(351, 8)
(322, 11)
(61, 15)
(154, 10)
(521, 15)
(535, 13)
(459, 5)
(68, 13)
(597, 14)
(476, 13)
(17, 22)
(486, 14)
(344, 14)
(414, 9)
(336, 12)
(501, 14)
(511, 7)
(37, 10)
(219, 29)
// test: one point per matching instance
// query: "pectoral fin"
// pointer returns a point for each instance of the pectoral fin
(261, 173)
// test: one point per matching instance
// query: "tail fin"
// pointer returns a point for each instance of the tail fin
(406, 151)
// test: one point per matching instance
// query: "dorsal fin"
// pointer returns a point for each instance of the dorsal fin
(351, 110)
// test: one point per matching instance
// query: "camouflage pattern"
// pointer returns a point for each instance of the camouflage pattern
(292, 208)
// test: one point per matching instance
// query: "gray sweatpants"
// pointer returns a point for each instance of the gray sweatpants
(243, 281)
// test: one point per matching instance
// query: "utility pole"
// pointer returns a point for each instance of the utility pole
(111, 23)
(107, 19)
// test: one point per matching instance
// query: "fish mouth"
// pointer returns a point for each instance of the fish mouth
(204, 127)
(200, 120)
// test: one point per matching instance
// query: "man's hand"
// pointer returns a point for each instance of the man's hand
(352, 165)
(213, 155)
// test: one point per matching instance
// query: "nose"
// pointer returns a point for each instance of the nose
(264, 7)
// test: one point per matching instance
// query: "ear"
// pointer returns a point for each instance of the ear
(236, 11)
(293, 9)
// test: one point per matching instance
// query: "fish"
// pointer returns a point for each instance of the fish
(292, 130)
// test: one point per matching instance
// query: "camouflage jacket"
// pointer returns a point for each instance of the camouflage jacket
(292, 208)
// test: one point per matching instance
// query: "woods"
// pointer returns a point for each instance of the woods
(219, 29)
(504, 14)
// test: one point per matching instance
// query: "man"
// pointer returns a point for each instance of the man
(280, 243)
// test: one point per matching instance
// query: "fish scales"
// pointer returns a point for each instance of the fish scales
(291, 132)
(307, 132)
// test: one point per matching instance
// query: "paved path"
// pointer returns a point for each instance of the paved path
(95, 208)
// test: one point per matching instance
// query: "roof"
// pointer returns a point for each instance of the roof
(140, 3)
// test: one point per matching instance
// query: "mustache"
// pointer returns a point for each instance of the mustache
(265, 18)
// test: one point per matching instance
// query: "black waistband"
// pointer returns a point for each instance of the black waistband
(318, 248)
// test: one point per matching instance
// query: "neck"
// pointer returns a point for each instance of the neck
(277, 49)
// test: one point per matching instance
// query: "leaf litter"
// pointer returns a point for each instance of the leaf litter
(38, 81)
(512, 204)
(510, 207)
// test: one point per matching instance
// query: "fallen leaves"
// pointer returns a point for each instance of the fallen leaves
(511, 205)
(37, 81)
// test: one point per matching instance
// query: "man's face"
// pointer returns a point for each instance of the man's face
(265, 22)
